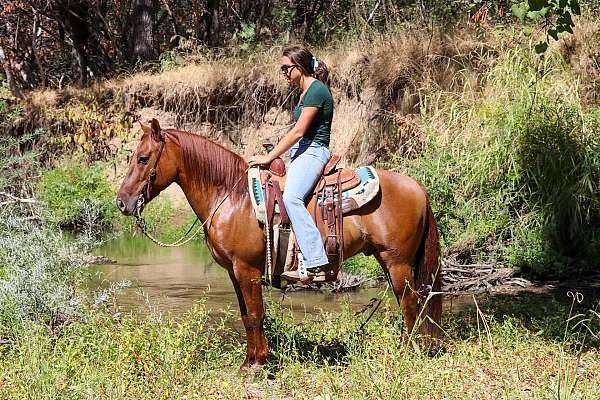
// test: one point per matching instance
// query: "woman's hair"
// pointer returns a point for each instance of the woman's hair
(307, 62)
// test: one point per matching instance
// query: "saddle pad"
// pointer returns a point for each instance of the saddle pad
(257, 194)
(366, 190)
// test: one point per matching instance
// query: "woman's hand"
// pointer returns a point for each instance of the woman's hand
(259, 160)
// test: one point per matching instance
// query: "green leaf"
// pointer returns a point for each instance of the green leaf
(535, 15)
(574, 5)
(536, 5)
(541, 47)
(553, 33)
(564, 23)
(520, 10)
(527, 31)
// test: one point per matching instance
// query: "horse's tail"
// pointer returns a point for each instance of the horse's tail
(428, 278)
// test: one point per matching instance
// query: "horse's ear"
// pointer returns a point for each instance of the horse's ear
(145, 128)
(156, 131)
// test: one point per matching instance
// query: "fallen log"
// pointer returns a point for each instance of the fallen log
(478, 277)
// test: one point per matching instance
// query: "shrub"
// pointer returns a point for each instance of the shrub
(78, 195)
(557, 152)
(41, 270)
(367, 267)
(16, 167)
(514, 177)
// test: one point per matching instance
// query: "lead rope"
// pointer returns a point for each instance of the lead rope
(141, 223)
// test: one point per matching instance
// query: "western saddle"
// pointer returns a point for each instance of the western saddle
(325, 204)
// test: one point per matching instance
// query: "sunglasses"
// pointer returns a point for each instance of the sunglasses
(286, 67)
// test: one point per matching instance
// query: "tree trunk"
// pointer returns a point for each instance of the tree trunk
(143, 31)
(74, 19)
(81, 63)
(18, 56)
(261, 19)
(211, 23)
(173, 22)
(13, 85)
(298, 28)
(37, 31)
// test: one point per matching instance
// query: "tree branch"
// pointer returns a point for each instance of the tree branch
(16, 199)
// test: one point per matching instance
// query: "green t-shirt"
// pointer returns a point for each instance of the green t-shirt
(317, 95)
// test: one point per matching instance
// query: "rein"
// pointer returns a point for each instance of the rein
(145, 192)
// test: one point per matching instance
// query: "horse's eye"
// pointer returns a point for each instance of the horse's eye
(143, 159)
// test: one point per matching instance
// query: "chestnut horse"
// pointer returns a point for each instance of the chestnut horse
(397, 226)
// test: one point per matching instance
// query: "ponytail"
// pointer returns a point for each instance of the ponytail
(320, 71)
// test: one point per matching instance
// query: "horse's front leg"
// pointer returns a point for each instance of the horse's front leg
(247, 283)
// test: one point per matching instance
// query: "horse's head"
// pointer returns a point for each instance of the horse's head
(151, 169)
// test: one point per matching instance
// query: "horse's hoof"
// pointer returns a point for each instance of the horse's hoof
(247, 367)
(244, 368)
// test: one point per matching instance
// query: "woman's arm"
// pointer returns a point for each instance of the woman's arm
(290, 138)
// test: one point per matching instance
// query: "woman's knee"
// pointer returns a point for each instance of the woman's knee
(292, 199)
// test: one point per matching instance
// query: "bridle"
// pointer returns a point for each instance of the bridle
(147, 188)
(145, 194)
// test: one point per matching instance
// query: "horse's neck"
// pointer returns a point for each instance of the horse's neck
(204, 191)
(199, 199)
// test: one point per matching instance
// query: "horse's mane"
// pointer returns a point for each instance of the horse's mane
(208, 162)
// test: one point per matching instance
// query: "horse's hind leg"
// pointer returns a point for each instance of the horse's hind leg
(401, 277)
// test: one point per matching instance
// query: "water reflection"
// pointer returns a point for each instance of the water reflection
(172, 279)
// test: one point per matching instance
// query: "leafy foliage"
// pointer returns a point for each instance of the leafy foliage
(40, 271)
(16, 166)
(78, 194)
(364, 266)
(557, 17)
(524, 190)
(97, 44)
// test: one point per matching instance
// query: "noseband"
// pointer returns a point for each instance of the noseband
(147, 188)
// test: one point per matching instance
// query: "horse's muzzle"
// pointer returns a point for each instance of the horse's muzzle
(122, 206)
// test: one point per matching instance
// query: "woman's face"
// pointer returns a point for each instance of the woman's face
(291, 72)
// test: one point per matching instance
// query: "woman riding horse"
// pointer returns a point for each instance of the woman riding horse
(308, 143)
(397, 226)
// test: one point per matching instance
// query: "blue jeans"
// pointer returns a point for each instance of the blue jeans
(307, 162)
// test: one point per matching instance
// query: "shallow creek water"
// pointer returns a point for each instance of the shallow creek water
(170, 280)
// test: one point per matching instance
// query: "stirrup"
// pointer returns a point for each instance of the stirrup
(302, 270)
(293, 276)
(302, 274)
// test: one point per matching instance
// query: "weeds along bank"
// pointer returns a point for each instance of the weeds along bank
(57, 342)
(514, 171)
(520, 355)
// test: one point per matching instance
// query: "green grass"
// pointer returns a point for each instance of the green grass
(524, 354)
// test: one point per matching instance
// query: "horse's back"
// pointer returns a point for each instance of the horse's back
(401, 190)
(396, 217)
